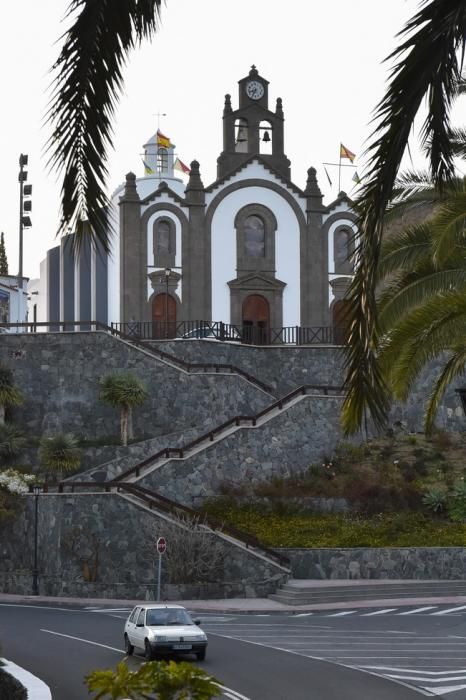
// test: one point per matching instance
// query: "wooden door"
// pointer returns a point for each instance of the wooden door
(340, 322)
(256, 319)
(163, 316)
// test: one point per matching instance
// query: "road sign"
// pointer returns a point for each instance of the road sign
(161, 545)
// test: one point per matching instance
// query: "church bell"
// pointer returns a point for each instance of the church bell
(266, 137)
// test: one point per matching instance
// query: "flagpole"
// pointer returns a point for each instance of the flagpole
(339, 172)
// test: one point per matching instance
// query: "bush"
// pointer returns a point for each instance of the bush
(435, 500)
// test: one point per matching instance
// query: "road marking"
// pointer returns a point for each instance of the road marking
(446, 689)
(341, 614)
(308, 614)
(232, 693)
(418, 610)
(424, 679)
(449, 610)
(86, 641)
(413, 670)
(379, 612)
(109, 610)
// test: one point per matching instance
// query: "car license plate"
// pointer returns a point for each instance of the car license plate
(182, 646)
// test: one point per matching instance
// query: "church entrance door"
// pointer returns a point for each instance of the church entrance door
(256, 319)
(163, 316)
(340, 322)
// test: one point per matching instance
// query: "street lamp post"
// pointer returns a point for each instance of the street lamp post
(36, 489)
(167, 277)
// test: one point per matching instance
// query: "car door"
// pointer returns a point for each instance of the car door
(131, 625)
(139, 629)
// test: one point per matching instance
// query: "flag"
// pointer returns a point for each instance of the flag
(346, 153)
(328, 177)
(356, 178)
(179, 165)
(147, 169)
(162, 140)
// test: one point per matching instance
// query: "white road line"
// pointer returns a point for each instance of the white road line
(446, 689)
(308, 614)
(379, 612)
(109, 610)
(414, 670)
(419, 610)
(86, 641)
(341, 614)
(449, 610)
(232, 693)
(424, 679)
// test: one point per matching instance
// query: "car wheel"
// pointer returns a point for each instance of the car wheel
(148, 650)
(200, 655)
(128, 646)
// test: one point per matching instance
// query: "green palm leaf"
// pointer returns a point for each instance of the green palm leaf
(452, 369)
(428, 65)
(86, 90)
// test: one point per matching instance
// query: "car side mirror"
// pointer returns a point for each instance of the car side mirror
(197, 622)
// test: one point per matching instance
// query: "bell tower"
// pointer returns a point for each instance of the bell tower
(252, 129)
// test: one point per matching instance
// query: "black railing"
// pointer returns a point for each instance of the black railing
(247, 334)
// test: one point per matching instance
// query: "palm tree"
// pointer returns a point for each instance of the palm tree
(59, 454)
(428, 64)
(422, 298)
(87, 85)
(9, 394)
(124, 391)
(12, 441)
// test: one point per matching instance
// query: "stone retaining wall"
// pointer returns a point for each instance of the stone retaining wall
(427, 563)
(125, 567)
(58, 374)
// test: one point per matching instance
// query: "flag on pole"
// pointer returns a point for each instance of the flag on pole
(346, 153)
(179, 165)
(328, 177)
(162, 140)
(147, 169)
(356, 177)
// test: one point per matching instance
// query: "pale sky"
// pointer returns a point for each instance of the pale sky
(324, 59)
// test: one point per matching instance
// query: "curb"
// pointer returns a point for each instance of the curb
(36, 689)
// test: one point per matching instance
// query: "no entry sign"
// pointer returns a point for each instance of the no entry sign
(161, 545)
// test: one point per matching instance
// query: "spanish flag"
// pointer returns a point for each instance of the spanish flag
(179, 165)
(162, 140)
(346, 153)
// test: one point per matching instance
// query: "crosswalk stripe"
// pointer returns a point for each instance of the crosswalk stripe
(414, 670)
(308, 614)
(449, 610)
(379, 612)
(341, 614)
(424, 679)
(444, 690)
(418, 610)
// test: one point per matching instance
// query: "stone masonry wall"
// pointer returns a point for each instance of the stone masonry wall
(288, 443)
(288, 366)
(126, 565)
(58, 374)
(435, 563)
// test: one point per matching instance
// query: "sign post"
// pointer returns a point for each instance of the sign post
(161, 548)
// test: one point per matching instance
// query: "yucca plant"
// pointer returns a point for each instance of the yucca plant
(9, 394)
(59, 454)
(124, 391)
(12, 441)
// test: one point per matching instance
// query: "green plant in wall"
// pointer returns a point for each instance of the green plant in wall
(3, 258)
(10, 395)
(59, 454)
(12, 441)
(124, 391)
(457, 502)
(435, 500)
(166, 681)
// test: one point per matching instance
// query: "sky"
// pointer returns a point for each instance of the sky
(324, 59)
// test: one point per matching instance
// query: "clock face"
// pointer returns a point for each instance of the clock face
(254, 89)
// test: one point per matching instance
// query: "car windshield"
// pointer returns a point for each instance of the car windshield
(167, 616)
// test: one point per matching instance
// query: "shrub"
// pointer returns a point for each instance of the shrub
(59, 454)
(12, 441)
(10, 687)
(457, 502)
(435, 500)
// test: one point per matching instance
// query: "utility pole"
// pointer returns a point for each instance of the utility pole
(24, 206)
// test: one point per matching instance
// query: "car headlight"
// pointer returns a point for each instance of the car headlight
(199, 638)
(159, 638)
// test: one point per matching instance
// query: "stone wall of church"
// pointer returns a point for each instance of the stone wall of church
(107, 538)
(59, 373)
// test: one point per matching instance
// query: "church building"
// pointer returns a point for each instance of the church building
(250, 249)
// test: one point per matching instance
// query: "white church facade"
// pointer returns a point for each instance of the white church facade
(250, 249)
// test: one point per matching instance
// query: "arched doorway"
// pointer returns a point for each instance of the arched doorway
(163, 316)
(256, 319)
(340, 321)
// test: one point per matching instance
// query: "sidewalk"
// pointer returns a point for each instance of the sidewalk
(265, 605)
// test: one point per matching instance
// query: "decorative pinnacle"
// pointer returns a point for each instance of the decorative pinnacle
(195, 182)
(312, 188)
(227, 108)
(253, 72)
(279, 107)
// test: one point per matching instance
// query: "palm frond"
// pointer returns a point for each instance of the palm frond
(405, 249)
(427, 65)
(452, 369)
(449, 226)
(458, 142)
(87, 86)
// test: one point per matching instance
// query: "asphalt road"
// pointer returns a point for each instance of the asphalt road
(364, 655)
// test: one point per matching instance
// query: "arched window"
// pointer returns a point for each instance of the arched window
(162, 160)
(254, 237)
(265, 138)
(164, 243)
(342, 251)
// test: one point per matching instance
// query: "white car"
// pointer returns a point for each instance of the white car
(164, 629)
